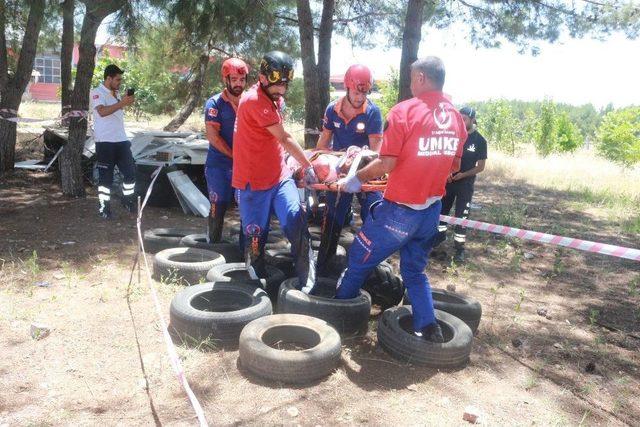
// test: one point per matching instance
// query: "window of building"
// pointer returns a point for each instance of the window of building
(49, 69)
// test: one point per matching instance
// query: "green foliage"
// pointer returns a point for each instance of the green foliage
(511, 215)
(619, 136)
(295, 100)
(633, 286)
(569, 137)
(156, 89)
(526, 113)
(545, 136)
(553, 131)
(632, 225)
(389, 91)
(500, 126)
(32, 264)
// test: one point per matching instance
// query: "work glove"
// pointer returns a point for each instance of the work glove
(310, 177)
(350, 184)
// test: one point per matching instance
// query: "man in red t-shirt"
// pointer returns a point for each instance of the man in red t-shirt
(422, 145)
(261, 175)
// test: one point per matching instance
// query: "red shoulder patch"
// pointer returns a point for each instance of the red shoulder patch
(213, 112)
(96, 96)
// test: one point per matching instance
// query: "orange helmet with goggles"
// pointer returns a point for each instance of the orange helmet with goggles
(358, 77)
(234, 66)
(277, 67)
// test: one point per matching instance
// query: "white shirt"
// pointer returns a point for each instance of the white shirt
(108, 128)
(423, 206)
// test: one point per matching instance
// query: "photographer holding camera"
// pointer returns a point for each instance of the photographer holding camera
(112, 146)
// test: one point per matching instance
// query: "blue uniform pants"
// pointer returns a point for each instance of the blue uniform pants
(282, 199)
(389, 228)
(219, 184)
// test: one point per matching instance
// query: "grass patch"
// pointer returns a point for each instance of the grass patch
(510, 215)
(633, 286)
(583, 179)
(531, 382)
(31, 264)
(632, 226)
(604, 198)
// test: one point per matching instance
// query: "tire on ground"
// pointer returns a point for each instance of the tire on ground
(162, 194)
(216, 311)
(237, 272)
(291, 348)
(276, 240)
(230, 251)
(384, 286)
(463, 307)
(158, 239)
(282, 260)
(346, 237)
(185, 264)
(395, 335)
(349, 316)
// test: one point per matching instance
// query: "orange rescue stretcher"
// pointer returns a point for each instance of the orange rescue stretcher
(331, 165)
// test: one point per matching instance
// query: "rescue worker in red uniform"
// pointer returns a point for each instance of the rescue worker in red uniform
(220, 118)
(422, 146)
(263, 180)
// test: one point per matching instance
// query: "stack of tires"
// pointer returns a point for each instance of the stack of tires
(301, 342)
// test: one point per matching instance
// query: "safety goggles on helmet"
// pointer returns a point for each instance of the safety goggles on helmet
(277, 76)
(277, 67)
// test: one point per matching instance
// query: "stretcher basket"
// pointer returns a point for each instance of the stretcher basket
(374, 185)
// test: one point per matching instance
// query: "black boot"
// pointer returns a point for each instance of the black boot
(254, 255)
(327, 250)
(440, 237)
(432, 332)
(129, 203)
(216, 221)
(104, 209)
(459, 257)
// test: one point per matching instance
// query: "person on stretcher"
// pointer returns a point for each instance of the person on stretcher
(331, 165)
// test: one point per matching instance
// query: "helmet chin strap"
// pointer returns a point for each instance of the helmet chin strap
(349, 100)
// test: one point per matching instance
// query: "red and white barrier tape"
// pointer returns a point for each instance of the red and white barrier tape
(569, 242)
(173, 355)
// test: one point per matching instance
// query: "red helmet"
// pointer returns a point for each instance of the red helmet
(234, 66)
(358, 77)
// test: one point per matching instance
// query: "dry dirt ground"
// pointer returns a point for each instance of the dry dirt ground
(105, 362)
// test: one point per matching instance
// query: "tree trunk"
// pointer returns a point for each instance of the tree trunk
(66, 55)
(4, 59)
(71, 155)
(324, 60)
(312, 108)
(9, 100)
(410, 45)
(13, 88)
(195, 94)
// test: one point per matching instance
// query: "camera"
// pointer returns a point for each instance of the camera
(130, 91)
